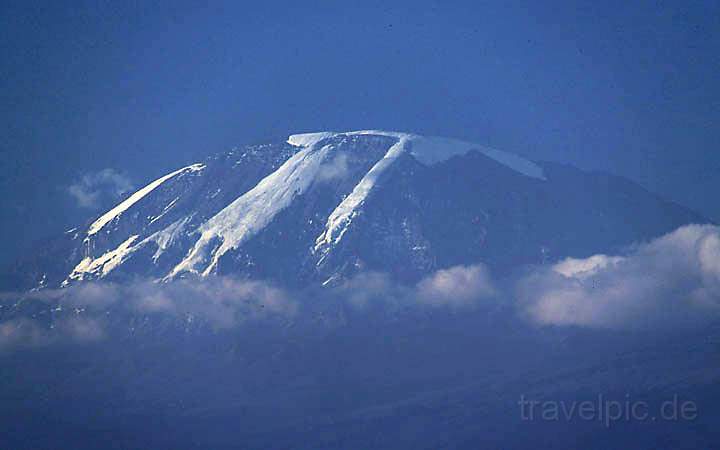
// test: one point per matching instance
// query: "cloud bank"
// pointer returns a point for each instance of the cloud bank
(672, 281)
(455, 287)
(84, 312)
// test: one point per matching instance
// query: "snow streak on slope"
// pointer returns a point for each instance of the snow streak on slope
(166, 237)
(164, 211)
(102, 265)
(340, 218)
(136, 197)
(252, 211)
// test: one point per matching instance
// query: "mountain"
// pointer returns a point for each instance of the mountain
(321, 207)
(233, 363)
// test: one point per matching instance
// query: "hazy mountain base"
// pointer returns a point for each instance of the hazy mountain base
(340, 374)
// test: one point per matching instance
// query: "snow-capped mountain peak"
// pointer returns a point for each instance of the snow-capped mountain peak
(325, 205)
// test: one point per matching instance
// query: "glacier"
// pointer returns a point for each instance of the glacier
(136, 197)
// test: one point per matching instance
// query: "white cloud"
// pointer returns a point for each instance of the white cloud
(456, 286)
(583, 268)
(671, 281)
(92, 188)
(369, 288)
(336, 168)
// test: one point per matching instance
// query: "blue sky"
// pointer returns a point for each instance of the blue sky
(141, 88)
